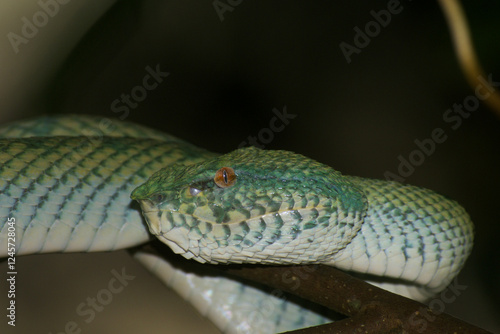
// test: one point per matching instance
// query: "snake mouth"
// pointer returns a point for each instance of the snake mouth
(150, 213)
(147, 205)
(177, 239)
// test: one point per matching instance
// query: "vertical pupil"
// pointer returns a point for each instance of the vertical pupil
(224, 175)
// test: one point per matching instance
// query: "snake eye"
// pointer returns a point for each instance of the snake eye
(194, 191)
(225, 177)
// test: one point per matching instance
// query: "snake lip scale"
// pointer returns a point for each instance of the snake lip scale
(308, 213)
(72, 194)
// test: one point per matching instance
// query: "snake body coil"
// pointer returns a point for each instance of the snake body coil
(73, 194)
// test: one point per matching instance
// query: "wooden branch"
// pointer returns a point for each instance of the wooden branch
(369, 309)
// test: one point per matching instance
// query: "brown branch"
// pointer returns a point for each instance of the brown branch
(369, 309)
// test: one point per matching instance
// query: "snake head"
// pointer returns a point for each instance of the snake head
(252, 206)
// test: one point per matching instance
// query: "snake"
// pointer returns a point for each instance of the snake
(78, 183)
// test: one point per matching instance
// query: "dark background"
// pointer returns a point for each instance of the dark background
(225, 79)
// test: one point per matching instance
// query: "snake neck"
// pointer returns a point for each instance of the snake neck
(410, 234)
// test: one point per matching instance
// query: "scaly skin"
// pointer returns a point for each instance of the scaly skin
(72, 194)
(286, 208)
(75, 222)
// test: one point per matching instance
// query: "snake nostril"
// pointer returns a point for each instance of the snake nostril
(194, 191)
(157, 198)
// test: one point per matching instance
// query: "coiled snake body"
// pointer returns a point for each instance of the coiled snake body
(72, 194)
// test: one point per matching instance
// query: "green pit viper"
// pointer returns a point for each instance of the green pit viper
(73, 191)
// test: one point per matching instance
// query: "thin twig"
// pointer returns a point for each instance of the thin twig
(465, 52)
